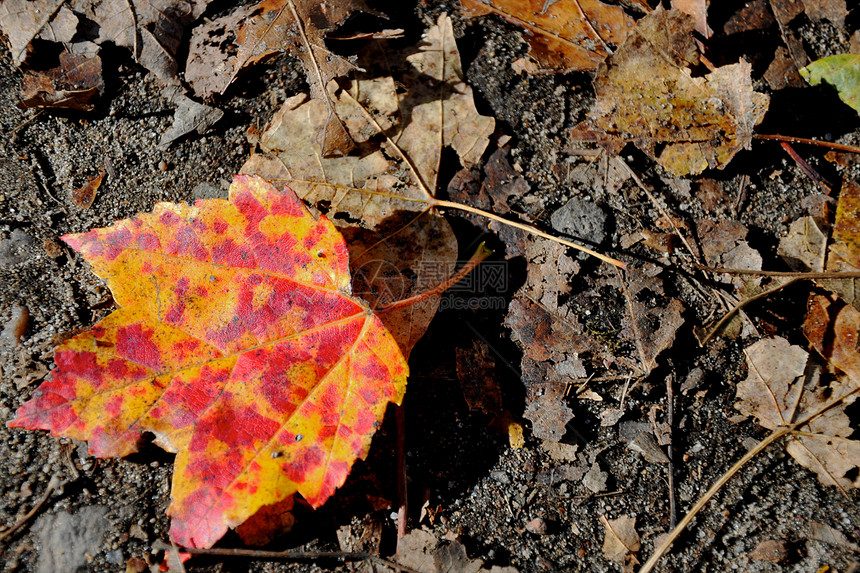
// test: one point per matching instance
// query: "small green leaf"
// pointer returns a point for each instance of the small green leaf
(842, 72)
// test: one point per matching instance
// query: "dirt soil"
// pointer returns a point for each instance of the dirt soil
(508, 506)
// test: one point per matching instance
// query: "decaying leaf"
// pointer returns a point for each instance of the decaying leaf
(698, 9)
(778, 392)
(238, 344)
(833, 10)
(826, 534)
(646, 95)
(23, 20)
(222, 49)
(421, 551)
(773, 550)
(151, 29)
(805, 247)
(84, 195)
(476, 372)
(653, 323)
(550, 340)
(189, 116)
(74, 84)
(622, 541)
(842, 72)
(566, 35)
(377, 197)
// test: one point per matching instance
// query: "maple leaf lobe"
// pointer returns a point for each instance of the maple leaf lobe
(238, 345)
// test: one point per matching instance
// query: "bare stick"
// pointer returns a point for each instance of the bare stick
(803, 140)
(786, 274)
(656, 204)
(299, 556)
(53, 484)
(722, 322)
(403, 500)
(806, 167)
(670, 468)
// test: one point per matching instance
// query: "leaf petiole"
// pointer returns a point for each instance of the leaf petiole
(481, 253)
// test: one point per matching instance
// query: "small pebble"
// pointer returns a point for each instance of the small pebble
(537, 526)
(162, 165)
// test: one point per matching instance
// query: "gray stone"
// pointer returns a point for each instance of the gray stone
(66, 540)
(581, 219)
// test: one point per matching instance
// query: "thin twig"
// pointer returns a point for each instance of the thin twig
(481, 253)
(659, 207)
(300, 556)
(53, 484)
(803, 140)
(15, 130)
(403, 500)
(670, 467)
(742, 195)
(722, 322)
(787, 274)
(806, 167)
(135, 50)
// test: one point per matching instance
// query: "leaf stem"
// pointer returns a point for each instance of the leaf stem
(480, 254)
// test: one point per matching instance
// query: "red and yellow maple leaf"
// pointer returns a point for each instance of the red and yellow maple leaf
(238, 345)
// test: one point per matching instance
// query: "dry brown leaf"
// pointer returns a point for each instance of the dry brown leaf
(773, 550)
(698, 9)
(189, 116)
(833, 10)
(74, 84)
(804, 246)
(23, 20)
(476, 372)
(778, 393)
(151, 29)
(621, 542)
(826, 534)
(551, 340)
(565, 35)
(422, 551)
(653, 324)
(84, 195)
(438, 110)
(646, 95)
(255, 33)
